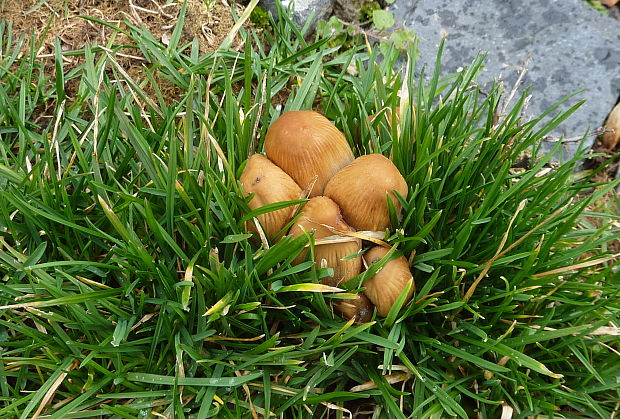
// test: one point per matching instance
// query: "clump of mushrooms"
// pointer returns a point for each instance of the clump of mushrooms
(349, 201)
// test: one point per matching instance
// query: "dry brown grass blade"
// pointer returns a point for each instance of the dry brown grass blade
(284, 390)
(576, 266)
(607, 331)
(55, 146)
(247, 392)
(263, 98)
(219, 338)
(336, 407)
(507, 411)
(371, 236)
(261, 233)
(52, 390)
(333, 240)
(133, 86)
(390, 378)
(499, 252)
(601, 331)
(489, 263)
(93, 283)
(233, 31)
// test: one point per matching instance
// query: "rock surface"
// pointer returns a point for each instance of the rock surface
(303, 10)
(571, 45)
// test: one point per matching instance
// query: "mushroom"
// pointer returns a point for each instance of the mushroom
(305, 144)
(361, 191)
(269, 184)
(386, 285)
(360, 308)
(318, 213)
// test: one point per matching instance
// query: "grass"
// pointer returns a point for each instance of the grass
(130, 289)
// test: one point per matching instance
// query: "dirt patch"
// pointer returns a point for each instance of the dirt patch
(106, 23)
(76, 22)
(609, 172)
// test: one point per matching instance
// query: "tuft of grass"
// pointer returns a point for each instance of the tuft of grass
(130, 288)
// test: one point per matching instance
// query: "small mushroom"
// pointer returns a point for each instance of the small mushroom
(305, 144)
(361, 191)
(318, 213)
(359, 308)
(269, 184)
(386, 285)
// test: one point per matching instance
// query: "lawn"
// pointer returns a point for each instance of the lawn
(131, 288)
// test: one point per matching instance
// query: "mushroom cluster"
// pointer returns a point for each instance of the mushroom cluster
(307, 156)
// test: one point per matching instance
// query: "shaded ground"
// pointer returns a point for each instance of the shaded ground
(106, 23)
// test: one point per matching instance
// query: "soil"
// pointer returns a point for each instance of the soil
(76, 23)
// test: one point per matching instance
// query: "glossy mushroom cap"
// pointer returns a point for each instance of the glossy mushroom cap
(318, 212)
(384, 288)
(306, 144)
(361, 188)
(360, 308)
(269, 184)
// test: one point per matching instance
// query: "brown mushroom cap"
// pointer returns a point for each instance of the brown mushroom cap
(384, 288)
(269, 184)
(360, 190)
(306, 144)
(360, 308)
(318, 212)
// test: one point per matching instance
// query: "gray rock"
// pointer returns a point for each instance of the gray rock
(571, 45)
(303, 10)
